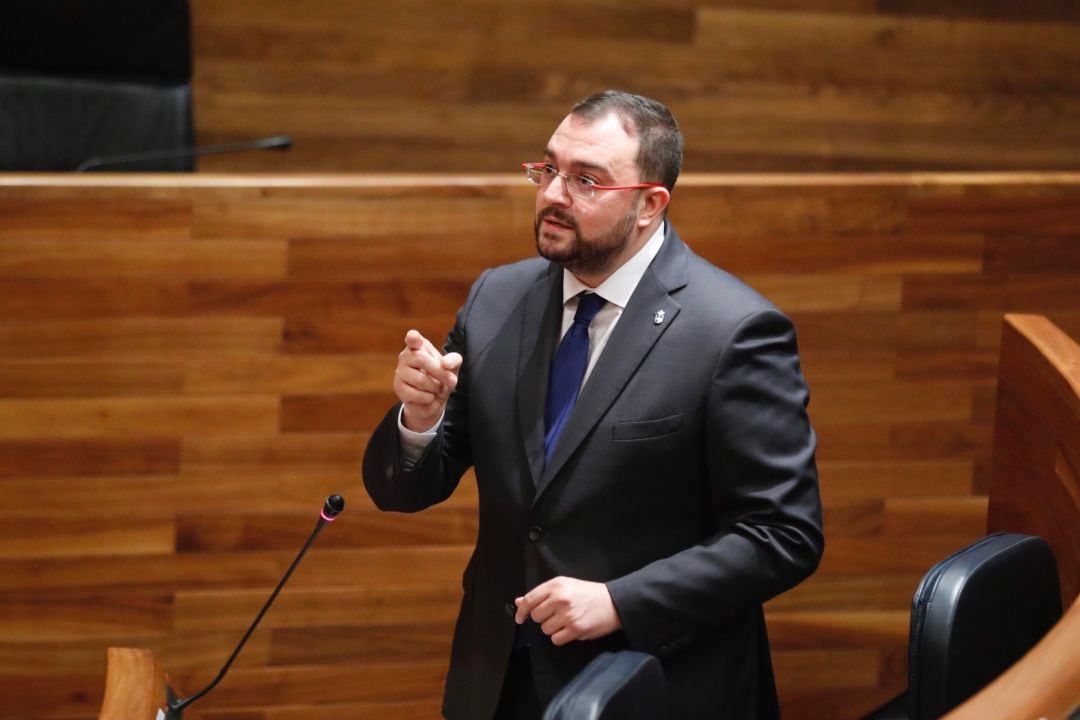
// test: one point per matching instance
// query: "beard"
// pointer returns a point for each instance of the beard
(584, 255)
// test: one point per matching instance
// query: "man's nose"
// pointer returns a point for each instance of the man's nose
(557, 193)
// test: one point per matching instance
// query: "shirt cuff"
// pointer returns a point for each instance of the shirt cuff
(413, 444)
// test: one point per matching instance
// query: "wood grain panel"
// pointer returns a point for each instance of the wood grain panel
(76, 377)
(88, 616)
(336, 259)
(825, 291)
(899, 53)
(405, 566)
(157, 338)
(287, 374)
(38, 298)
(848, 593)
(991, 292)
(88, 457)
(782, 85)
(33, 299)
(383, 333)
(1025, 253)
(368, 528)
(375, 682)
(893, 478)
(883, 331)
(811, 630)
(324, 608)
(222, 488)
(77, 696)
(1037, 10)
(892, 402)
(47, 536)
(189, 365)
(1041, 212)
(124, 417)
(393, 212)
(56, 222)
(340, 453)
(832, 365)
(936, 516)
(866, 553)
(976, 365)
(98, 255)
(72, 656)
(334, 413)
(413, 640)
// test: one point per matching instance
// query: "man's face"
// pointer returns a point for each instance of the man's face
(589, 237)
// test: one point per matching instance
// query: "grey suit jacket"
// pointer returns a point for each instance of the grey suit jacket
(684, 479)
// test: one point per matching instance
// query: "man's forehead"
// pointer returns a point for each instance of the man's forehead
(601, 142)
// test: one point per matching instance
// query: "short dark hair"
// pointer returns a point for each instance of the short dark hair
(661, 144)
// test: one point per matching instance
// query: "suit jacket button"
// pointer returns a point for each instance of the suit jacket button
(511, 609)
(535, 533)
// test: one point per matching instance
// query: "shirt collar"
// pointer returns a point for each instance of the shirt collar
(620, 285)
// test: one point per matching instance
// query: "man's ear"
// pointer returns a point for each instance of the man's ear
(653, 203)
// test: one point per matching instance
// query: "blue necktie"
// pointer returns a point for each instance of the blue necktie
(568, 370)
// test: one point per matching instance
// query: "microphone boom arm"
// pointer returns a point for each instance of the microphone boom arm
(334, 505)
(277, 142)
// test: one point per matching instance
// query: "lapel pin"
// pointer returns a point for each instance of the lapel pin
(658, 317)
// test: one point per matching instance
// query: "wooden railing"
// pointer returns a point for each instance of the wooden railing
(190, 365)
(134, 685)
(1035, 489)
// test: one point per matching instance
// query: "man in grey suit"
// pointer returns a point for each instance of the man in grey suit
(645, 465)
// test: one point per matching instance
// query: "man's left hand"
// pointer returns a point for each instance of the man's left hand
(568, 609)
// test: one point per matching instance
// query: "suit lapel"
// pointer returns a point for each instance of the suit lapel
(540, 323)
(631, 341)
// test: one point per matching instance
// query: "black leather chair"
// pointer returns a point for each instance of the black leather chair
(625, 685)
(974, 614)
(84, 80)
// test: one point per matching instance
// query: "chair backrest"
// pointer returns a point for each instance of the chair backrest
(625, 685)
(50, 124)
(94, 80)
(976, 613)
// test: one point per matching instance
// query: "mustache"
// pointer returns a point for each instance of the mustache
(556, 214)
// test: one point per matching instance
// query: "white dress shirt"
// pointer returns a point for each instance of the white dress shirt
(616, 290)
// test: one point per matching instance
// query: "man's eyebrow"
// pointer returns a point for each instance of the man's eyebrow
(549, 153)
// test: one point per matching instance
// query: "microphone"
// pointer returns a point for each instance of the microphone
(277, 142)
(174, 709)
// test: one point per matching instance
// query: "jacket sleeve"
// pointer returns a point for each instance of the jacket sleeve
(392, 485)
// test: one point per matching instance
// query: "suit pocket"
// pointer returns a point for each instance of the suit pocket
(646, 429)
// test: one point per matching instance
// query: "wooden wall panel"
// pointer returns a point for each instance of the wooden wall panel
(782, 85)
(189, 365)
